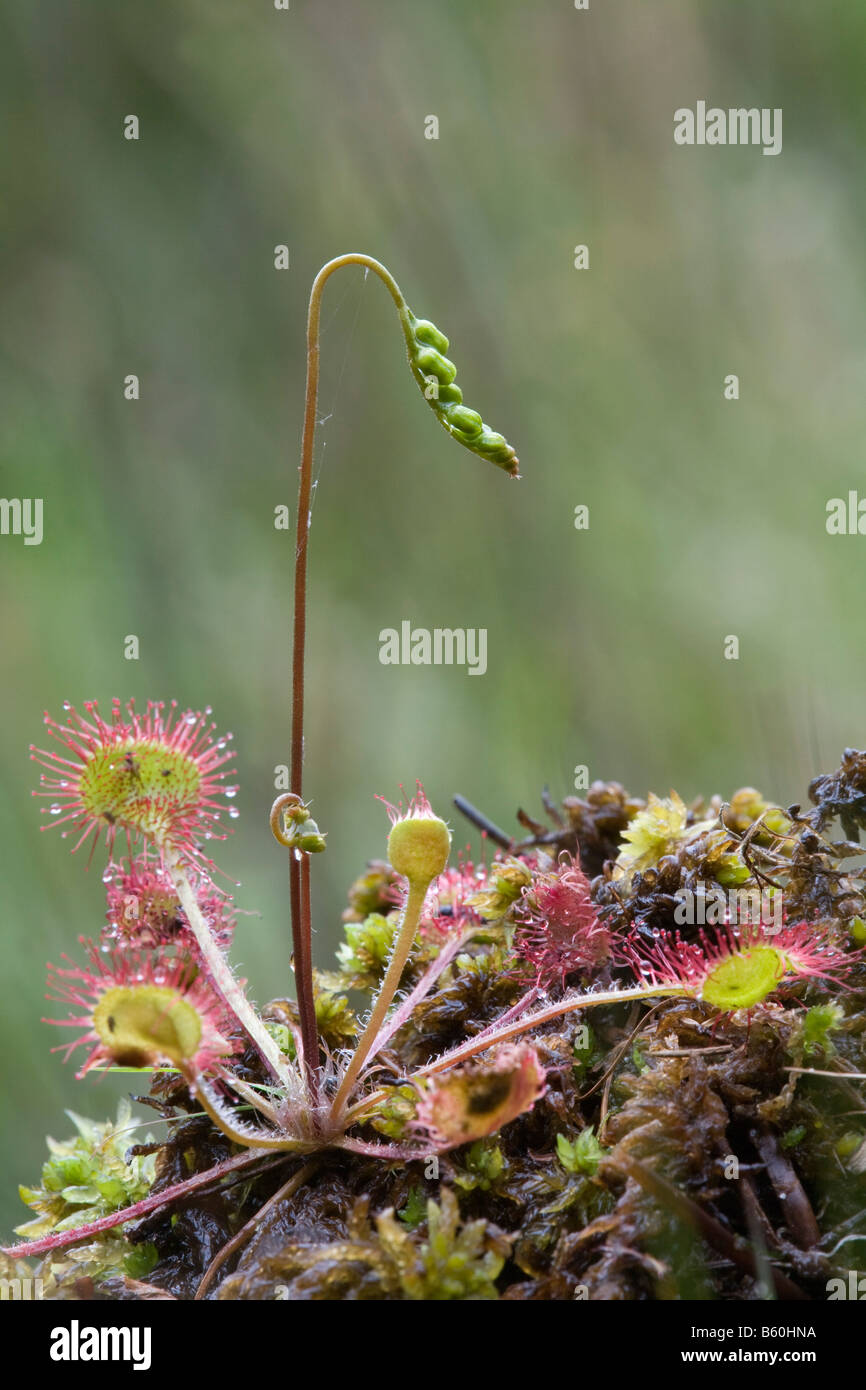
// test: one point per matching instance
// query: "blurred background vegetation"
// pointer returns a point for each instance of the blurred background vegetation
(605, 647)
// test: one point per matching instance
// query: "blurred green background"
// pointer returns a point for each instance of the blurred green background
(155, 257)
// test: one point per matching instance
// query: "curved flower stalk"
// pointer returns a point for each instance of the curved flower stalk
(435, 375)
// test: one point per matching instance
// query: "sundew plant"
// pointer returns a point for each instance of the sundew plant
(592, 1065)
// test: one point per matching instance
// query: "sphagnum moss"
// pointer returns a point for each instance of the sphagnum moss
(573, 1156)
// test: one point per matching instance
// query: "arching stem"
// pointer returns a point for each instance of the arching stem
(299, 870)
(235, 1129)
(493, 1036)
(502, 1030)
(399, 956)
(78, 1235)
(223, 978)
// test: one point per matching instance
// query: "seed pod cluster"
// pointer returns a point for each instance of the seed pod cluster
(435, 375)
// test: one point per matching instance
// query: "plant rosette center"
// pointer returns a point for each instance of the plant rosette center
(136, 1024)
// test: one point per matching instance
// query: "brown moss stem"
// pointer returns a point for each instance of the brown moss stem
(282, 1194)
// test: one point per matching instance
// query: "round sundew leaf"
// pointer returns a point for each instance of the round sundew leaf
(144, 1021)
(471, 1102)
(140, 783)
(744, 978)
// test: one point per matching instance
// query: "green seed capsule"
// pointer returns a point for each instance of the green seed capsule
(311, 842)
(427, 332)
(467, 421)
(307, 837)
(491, 442)
(427, 345)
(494, 447)
(450, 395)
(432, 363)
